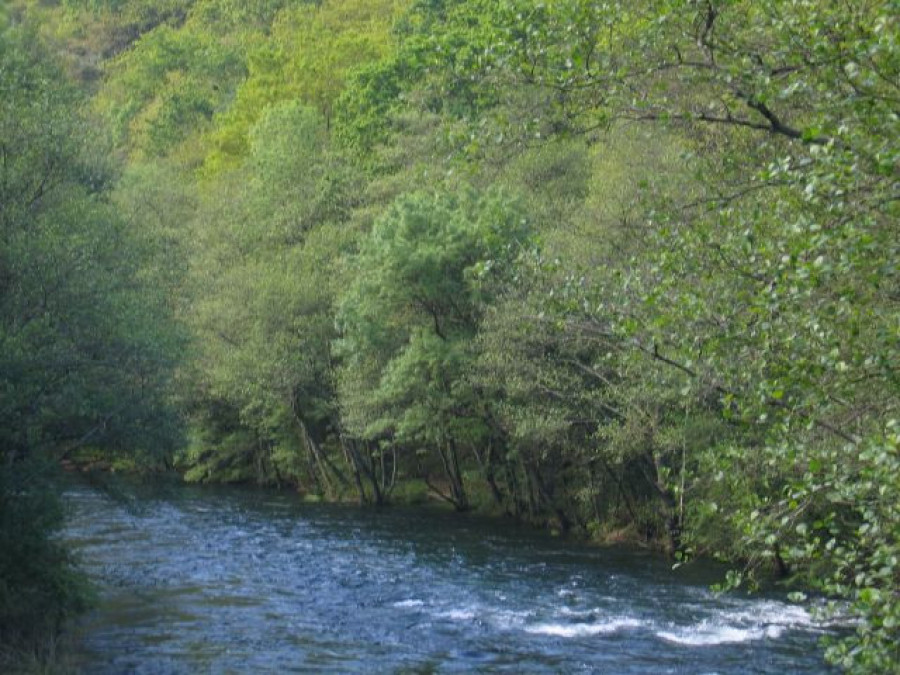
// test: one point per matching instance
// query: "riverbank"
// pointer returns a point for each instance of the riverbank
(413, 492)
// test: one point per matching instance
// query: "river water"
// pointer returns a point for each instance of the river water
(236, 580)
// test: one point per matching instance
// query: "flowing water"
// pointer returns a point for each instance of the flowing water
(234, 580)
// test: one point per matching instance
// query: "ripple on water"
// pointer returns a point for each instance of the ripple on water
(227, 581)
(751, 621)
(575, 630)
(708, 633)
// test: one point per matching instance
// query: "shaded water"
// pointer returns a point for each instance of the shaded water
(232, 580)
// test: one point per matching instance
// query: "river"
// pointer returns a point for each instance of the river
(231, 580)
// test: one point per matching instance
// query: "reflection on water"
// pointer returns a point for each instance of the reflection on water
(235, 580)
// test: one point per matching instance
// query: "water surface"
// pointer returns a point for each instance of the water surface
(236, 580)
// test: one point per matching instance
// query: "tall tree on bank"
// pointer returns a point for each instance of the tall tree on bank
(773, 292)
(86, 344)
(407, 323)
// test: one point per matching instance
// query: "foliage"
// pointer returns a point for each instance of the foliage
(307, 56)
(693, 338)
(86, 344)
(40, 587)
(426, 272)
(769, 290)
(85, 355)
(262, 299)
(169, 84)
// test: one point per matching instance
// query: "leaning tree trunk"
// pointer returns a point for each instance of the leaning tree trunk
(485, 461)
(450, 461)
(668, 505)
(544, 497)
(353, 462)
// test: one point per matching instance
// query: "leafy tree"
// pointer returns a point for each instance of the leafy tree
(308, 56)
(770, 289)
(87, 345)
(407, 322)
(265, 285)
(84, 348)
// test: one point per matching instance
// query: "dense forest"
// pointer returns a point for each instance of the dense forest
(627, 270)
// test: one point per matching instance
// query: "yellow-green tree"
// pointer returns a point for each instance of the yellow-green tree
(307, 57)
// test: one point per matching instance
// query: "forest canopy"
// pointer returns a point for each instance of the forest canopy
(622, 269)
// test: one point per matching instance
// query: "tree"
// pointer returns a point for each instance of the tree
(312, 48)
(407, 323)
(86, 345)
(769, 290)
(167, 86)
(85, 340)
(264, 285)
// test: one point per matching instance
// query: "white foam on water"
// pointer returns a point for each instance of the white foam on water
(770, 612)
(502, 619)
(761, 620)
(579, 613)
(571, 630)
(409, 603)
(457, 614)
(708, 633)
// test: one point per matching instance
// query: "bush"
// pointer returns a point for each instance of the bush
(39, 585)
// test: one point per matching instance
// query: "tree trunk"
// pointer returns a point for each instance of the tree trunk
(373, 478)
(450, 461)
(353, 463)
(512, 483)
(487, 468)
(543, 495)
(313, 450)
(669, 506)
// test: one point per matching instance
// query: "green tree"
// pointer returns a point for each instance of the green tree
(86, 344)
(311, 50)
(264, 282)
(407, 323)
(768, 292)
